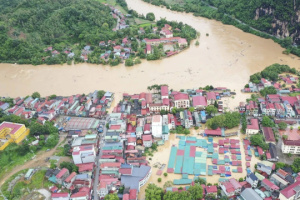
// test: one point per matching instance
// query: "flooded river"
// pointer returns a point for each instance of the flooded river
(224, 58)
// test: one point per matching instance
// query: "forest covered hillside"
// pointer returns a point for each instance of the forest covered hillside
(28, 26)
(280, 18)
(276, 19)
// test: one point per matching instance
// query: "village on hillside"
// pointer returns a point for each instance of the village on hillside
(132, 46)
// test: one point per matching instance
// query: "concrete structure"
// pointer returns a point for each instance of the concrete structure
(84, 154)
(12, 133)
(181, 100)
(252, 128)
(138, 177)
(157, 126)
(292, 192)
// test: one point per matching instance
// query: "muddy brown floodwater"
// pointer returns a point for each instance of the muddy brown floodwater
(225, 58)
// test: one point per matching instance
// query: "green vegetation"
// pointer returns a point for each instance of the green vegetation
(181, 130)
(267, 122)
(22, 188)
(271, 72)
(14, 154)
(228, 120)
(211, 109)
(296, 165)
(36, 95)
(282, 125)
(35, 25)
(165, 174)
(242, 15)
(159, 180)
(258, 140)
(154, 192)
(150, 16)
(70, 166)
(268, 90)
(244, 123)
(100, 94)
(111, 197)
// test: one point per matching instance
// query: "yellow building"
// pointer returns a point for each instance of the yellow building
(12, 133)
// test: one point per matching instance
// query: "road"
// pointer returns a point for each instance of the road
(38, 161)
(97, 171)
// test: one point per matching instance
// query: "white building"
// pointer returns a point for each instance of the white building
(181, 100)
(157, 126)
(84, 154)
(291, 146)
(252, 128)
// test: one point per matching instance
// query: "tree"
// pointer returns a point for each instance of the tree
(53, 96)
(267, 122)
(36, 95)
(153, 192)
(67, 149)
(168, 184)
(201, 181)
(100, 94)
(129, 62)
(150, 16)
(257, 140)
(191, 109)
(196, 191)
(23, 149)
(279, 165)
(268, 90)
(282, 125)
(241, 180)
(165, 174)
(216, 104)
(197, 43)
(211, 110)
(52, 164)
(70, 166)
(111, 197)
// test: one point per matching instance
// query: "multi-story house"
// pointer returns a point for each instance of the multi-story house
(252, 128)
(211, 98)
(252, 108)
(181, 100)
(62, 175)
(280, 111)
(270, 109)
(252, 180)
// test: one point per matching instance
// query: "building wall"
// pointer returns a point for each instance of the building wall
(282, 197)
(251, 131)
(182, 103)
(290, 149)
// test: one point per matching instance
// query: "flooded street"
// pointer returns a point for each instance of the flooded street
(224, 58)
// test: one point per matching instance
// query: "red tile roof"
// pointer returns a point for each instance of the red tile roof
(199, 101)
(270, 184)
(269, 135)
(115, 127)
(69, 178)
(61, 173)
(253, 125)
(146, 137)
(13, 126)
(213, 132)
(211, 189)
(289, 99)
(181, 96)
(164, 91)
(132, 194)
(58, 195)
(211, 95)
(85, 167)
(126, 171)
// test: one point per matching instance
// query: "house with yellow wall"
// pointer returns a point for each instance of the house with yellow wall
(12, 133)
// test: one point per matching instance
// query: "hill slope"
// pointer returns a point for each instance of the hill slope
(28, 26)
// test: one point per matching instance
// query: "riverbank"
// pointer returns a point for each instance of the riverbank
(227, 57)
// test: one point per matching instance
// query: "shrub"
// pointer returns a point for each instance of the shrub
(159, 180)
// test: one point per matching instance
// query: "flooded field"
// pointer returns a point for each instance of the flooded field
(163, 153)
